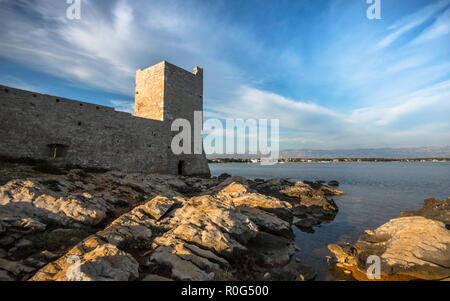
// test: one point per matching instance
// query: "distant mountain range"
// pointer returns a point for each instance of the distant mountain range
(396, 153)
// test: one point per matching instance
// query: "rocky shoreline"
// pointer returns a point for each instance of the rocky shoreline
(154, 227)
(159, 227)
(414, 246)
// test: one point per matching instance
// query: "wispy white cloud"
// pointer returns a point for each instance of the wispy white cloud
(412, 21)
(82, 52)
(266, 105)
(383, 115)
(439, 28)
(319, 126)
(111, 40)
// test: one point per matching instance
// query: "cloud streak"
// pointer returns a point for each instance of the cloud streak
(310, 121)
(412, 21)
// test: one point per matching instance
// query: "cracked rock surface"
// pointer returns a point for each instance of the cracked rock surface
(415, 245)
(83, 225)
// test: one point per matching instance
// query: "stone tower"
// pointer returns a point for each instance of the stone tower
(166, 92)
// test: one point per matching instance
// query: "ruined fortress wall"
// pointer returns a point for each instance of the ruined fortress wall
(31, 124)
(167, 92)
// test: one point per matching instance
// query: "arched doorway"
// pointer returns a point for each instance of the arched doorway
(180, 168)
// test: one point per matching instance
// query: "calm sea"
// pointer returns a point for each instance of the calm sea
(374, 192)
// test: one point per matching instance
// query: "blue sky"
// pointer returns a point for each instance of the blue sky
(334, 78)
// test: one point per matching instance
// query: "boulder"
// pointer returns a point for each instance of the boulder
(433, 209)
(223, 176)
(222, 184)
(345, 255)
(176, 183)
(204, 259)
(181, 269)
(48, 256)
(91, 260)
(29, 205)
(333, 183)
(414, 247)
(268, 222)
(106, 263)
(270, 250)
(210, 231)
(7, 240)
(328, 191)
(293, 271)
(33, 262)
(23, 243)
(137, 225)
(320, 208)
(233, 190)
(15, 268)
(213, 224)
(5, 276)
(160, 205)
(306, 224)
(239, 195)
(309, 189)
(298, 190)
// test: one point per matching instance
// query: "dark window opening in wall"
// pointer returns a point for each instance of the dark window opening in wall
(57, 150)
(79, 123)
(181, 168)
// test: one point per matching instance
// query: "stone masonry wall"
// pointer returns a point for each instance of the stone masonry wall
(167, 92)
(32, 124)
(150, 92)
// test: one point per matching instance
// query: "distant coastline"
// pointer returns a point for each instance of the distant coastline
(329, 160)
